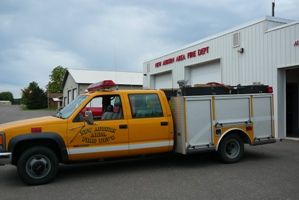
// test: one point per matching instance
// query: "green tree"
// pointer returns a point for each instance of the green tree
(34, 97)
(7, 96)
(56, 80)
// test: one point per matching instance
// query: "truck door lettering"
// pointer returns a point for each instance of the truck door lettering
(98, 135)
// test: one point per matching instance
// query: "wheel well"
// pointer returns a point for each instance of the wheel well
(244, 137)
(22, 146)
(241, 134)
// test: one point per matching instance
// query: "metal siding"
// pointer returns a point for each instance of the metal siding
(69, 85)
(293, 38)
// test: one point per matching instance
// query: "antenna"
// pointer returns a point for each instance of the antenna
(273, 8)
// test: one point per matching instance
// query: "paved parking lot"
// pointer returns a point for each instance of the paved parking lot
(266, 172)
(14, 112)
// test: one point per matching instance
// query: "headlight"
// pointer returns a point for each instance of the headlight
(2, 141)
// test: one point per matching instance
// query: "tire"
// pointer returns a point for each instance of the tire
(231, 149)
(37, 165)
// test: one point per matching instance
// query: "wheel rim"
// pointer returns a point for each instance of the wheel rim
(38, 166)
(232, 149)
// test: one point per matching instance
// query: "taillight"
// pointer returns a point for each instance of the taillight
(269, 89)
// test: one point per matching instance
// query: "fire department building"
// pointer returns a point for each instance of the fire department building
(265, 51)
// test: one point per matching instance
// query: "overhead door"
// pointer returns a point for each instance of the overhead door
(204, 73)
(163, 80)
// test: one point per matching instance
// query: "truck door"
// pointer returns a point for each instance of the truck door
(149, 130)
(106, 137)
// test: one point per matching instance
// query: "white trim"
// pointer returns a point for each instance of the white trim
(151, 145)
(98, 149)
(81, 150)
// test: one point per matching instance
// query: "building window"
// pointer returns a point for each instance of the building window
(74, 93)
(69, 96)
(145, 106)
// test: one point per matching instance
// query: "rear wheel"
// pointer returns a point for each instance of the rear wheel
(37, 165)
(231, 149)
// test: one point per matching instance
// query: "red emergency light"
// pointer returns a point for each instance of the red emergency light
(103, 85)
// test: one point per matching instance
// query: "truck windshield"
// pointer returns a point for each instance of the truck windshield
(70, 108)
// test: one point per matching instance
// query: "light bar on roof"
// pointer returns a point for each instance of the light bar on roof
(103, 85)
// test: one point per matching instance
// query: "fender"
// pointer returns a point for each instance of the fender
(40, 136)
(226, 132)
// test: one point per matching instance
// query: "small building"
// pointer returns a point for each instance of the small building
(54, 100)
(76, 81)
(263, 51)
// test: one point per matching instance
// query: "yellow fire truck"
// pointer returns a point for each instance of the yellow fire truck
(106, 123)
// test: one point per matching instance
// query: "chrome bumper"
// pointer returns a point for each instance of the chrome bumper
(5, 158)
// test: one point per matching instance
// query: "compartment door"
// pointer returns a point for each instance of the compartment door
(262, 116)
(198, 121)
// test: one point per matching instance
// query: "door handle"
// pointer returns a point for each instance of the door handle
(123, 126)
(164, 123)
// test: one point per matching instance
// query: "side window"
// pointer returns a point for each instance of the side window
(95, 106)
(106, 107)
(145, 105)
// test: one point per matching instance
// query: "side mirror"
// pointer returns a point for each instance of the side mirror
(89, 117)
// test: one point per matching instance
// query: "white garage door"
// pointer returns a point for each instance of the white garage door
(209, 72)
(163, 80)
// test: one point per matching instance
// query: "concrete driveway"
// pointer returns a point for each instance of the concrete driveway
(266, 172)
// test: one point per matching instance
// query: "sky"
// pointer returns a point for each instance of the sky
(115, 35)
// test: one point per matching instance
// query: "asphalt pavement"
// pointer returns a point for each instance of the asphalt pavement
(266, 172)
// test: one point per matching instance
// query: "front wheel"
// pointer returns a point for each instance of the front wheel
(37, 165)
(231, 149)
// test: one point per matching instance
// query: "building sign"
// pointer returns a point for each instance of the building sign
(182, 57)
(296, 43)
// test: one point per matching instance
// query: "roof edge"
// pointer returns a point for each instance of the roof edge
(282, 26)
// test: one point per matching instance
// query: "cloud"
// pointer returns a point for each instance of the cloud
(33, 59)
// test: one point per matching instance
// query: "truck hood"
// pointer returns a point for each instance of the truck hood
(29, 123)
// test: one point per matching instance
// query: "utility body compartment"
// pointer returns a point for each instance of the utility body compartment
(202, 121)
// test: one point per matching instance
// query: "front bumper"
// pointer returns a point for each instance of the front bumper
(5, 158)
